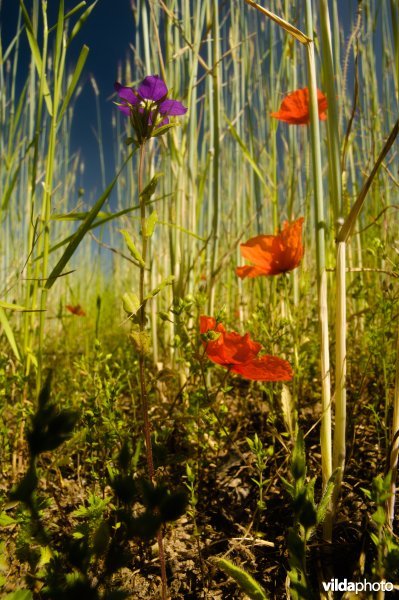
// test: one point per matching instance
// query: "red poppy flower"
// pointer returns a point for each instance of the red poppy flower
(294, 108)
(273, 254)
(76, 310)
(240, 354)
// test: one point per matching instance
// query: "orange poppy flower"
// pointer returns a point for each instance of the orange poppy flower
(240, 354)
(273, 254)
(76, 310)
(294, 108)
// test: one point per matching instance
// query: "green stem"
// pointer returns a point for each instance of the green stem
(142, 350)
(216, 148)
(320, 256)
(340, 368)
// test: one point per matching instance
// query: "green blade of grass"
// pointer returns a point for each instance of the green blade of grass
(11, 306)
(70, 13)
(37, 57)
(81, 21)
(83, 229)
(296, 33)
(74, 81)
(350, 221)
(59, 35)
(245, 150)
(9, 332)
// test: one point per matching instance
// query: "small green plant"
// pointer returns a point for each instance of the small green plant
(245, 581)
(307, 516)
(262, 455)
(79, 557)
(386, 564)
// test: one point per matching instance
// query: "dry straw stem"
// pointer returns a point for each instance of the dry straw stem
(322, 293)
(320, 240)
(296, 33)
(335, 192)
(340, 411)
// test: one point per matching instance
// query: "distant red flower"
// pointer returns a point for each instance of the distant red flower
(240, 354)
(273, 254)
(294, 108)
(76, 310)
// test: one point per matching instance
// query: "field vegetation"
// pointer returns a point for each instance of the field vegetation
(199, 368)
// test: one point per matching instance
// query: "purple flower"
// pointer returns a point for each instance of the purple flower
(148, 107)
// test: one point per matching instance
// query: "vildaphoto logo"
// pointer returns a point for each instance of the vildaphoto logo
(335, 585)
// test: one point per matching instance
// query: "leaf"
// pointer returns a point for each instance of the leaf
(8, 190)
(83, 229)
(325, 500)
(245, 150)
(347, 228)
(298, 463)
(76, 216)
(9, 333)
(287, 408)
(6, 520)
(141, 340)
(132, 248)
(37, 58)
(131, 303)
(296, 33)
(183, 229)
(150, 223)
(168, 281)
(80, 22)
(150, 188)
(379, 516)
(247, 583)
(161, 130)
(19, 595)
(74, 80)
(45, 556)
(11, 306)
(59, 37)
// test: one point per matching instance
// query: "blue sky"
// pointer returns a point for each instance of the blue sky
(108, 33)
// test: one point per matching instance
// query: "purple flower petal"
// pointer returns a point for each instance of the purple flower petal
(152, 88)
(172, 108)
(126, 93)
(124, 108)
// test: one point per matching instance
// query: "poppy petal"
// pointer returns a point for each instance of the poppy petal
(251, 272)
(294, 108)
(265, 368)
(273, 254)
(76, 310)
(239, 354)
(207, 323)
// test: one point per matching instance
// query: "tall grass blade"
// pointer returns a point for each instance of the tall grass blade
(83, 229)
(37, 57)
(9, 333)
